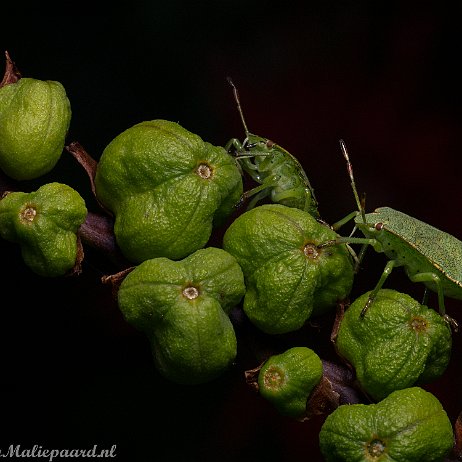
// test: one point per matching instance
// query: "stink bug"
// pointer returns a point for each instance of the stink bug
(279, 174)
(427, 254)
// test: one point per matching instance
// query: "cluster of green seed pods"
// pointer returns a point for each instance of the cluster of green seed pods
(34, 120)
(183, 307)
(167, 190)
(35, 117)
(391, 341)
(45, 224)
(289, 277)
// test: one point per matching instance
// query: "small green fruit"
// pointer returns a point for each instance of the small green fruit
(409, 425)
(288, 277)
(399, 343)
(45, 224)
(287, 379)
(34, 119)
(167, 189)
(182, 307)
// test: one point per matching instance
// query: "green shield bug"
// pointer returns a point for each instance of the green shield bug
(279, 174)
(427, 254)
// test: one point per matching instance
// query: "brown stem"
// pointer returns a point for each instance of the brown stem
(89, 165)
(12, 74)
(85, 160)
(337, 386)
(457, 451)
(116, 279)
(98, 232)
(343, 382)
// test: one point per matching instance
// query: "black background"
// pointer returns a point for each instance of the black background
(383, 76)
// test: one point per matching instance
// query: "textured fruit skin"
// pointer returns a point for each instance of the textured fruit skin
(45, 224)
(34, 120)
(165, 204)
(287, 379)
(410, 425)
(193, 340)
(285, 286)
(399, 343)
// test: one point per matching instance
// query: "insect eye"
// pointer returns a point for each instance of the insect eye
(378, 226)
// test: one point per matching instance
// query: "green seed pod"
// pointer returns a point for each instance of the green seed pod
(45, 224)
(287, 379)
(399, 343)
(182, 306)
(34, 119)
(409, 425)
(166, 188)
(288, 277)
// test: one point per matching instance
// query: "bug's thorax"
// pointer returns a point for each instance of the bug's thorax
(375, 227)
(379, 226)
(368, 228)
(268, 157)
(375, 224)
(258, 143)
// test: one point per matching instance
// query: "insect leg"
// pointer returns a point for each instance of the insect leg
(344, 220)
(360, 257)
(286, 194)
(350, 240)
(261, 191)
(353, 240)
(258, 197)
(432, 277)
(311, 204)
(247, 164)
(233, 143)
(245, 160)
(386, 272)
(425, 297)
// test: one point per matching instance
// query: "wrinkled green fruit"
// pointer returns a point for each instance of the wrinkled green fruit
(167, 189)
(288, 277)
(45, 224)
(287, 379)
(399, 343)
(409, 425)
(34, 120)
(182, 306)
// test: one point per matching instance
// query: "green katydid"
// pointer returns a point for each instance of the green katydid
(427, 254)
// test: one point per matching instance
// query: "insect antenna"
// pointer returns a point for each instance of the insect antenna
(239, 107)
(359, 203)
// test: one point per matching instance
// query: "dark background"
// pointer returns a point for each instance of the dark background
(383, 76)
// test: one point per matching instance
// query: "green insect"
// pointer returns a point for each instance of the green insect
(427, 254)
(279, 174)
